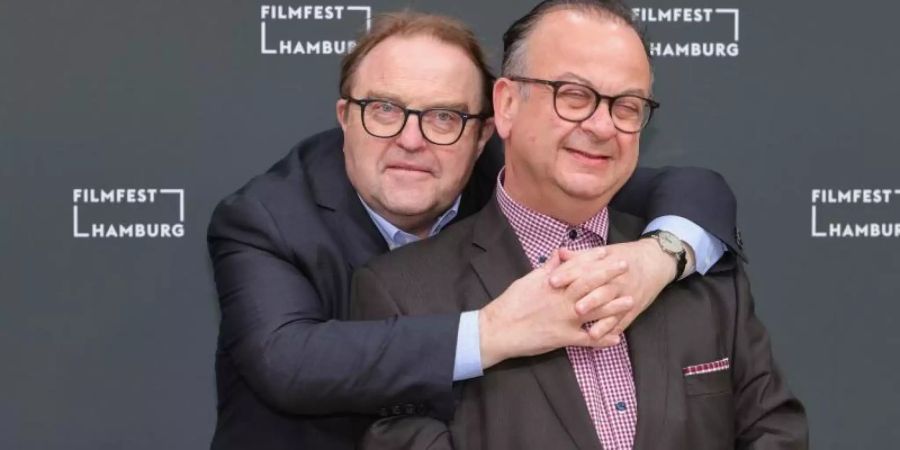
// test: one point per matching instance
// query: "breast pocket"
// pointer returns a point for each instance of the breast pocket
(708, 383)
(710, 409)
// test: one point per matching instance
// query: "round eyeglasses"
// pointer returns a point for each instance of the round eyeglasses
(576, 102)
(440, 126)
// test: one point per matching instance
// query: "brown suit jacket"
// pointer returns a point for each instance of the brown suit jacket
(535, 403)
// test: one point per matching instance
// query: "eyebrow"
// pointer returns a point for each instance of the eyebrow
(456, 106)
(582, 80)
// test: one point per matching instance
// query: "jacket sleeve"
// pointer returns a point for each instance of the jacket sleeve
(407, 433)
(768, 416)
(699, 195)
(282, 338)
(380, 305)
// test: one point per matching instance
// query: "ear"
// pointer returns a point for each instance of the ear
(487, 130)
(506, 105)
(341, 110)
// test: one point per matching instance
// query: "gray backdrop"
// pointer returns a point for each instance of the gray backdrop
(107, 342)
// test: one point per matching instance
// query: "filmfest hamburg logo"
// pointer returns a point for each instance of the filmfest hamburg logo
(311, 29)
(828, 223)
(709, 46)
(131, 198)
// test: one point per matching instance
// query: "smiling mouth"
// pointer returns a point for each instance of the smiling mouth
(407, 168)
(587, 155)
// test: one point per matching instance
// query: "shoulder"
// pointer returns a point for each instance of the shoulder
(291, 181)
(285, 195)
(316, 156)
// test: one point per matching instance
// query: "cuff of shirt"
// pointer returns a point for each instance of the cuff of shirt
(468, 348)
(707, 248)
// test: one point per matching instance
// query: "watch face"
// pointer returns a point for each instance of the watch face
(670, 242)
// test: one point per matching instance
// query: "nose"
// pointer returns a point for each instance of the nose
(410, 137)
(600, 124)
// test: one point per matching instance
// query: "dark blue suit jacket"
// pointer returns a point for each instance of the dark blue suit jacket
(290, 373)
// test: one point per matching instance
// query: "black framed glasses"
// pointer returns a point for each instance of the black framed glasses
(385, 119)
(576, 102)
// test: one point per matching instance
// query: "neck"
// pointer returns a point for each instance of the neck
(549, 199)
(421, 230)
(419, 225)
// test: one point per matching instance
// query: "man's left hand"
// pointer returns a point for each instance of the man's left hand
(650, 271)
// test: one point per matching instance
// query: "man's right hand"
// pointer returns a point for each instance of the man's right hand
(531, 317)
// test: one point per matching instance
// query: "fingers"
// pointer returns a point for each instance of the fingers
(582, 264)
(602, 333)
(573, 263)
(608, 340)
(597, 252)
(601, 275)
(603, 328)
(553, 263)
(542, 273)
(627, 319)
(584, 338)
(614, 309)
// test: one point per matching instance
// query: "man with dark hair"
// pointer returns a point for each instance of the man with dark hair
(415, 115)
(695, 371)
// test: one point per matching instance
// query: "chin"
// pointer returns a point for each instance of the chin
(585, 189)
(409, 206)
(587, 195)
(405, 209)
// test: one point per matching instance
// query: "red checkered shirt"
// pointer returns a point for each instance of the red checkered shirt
(604, 375)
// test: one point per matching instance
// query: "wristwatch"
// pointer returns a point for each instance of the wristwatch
(670, 244)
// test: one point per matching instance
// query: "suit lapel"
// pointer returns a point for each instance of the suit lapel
(648, 352)
(556, 377)
(344, 211)
(360, 236)
(501, 262)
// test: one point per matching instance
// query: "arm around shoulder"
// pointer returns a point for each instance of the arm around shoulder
(697, 194)
(281, 337)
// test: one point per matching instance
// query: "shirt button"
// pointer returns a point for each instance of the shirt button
(573, 234)
(621, 406)
(542, 259)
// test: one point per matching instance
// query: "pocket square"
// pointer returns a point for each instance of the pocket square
(714, 366)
